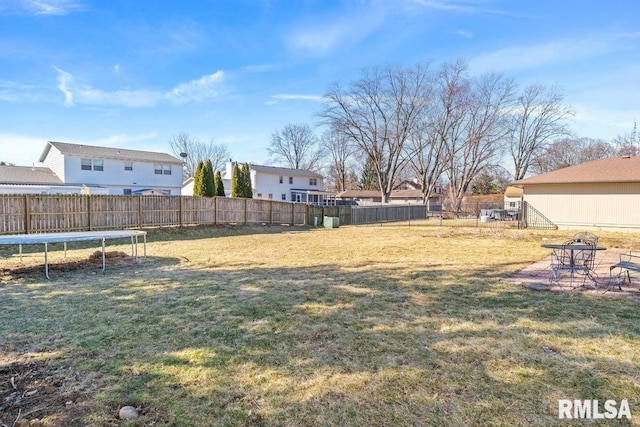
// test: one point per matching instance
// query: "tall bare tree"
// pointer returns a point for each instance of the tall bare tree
(478, 139)
(629, 143)
(340, 151)
(571, 151)
(538, 117)
(377, 113)
(197, 151)
(296, 147)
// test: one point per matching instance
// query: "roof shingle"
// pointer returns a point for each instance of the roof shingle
(28, 175)
(614, 169)
(109, 152)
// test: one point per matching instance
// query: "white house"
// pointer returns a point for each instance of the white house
(276, 183)
(120, 170)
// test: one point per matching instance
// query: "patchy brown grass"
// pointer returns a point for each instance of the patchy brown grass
(357, 326)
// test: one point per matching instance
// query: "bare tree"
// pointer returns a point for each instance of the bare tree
(295, 146)
(539, 116)
(571, 151)
(477, 141)
(628, 144)
(341, 151)
(377, 113)
(197, 151)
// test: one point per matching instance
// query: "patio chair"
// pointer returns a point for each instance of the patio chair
(573, 261)
(586, 237)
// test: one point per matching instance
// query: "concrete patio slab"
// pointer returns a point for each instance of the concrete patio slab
(537, 277)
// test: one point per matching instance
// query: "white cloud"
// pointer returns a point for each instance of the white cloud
(322, 35)
(206, 87)
(124, 140)
(196, 90)
(30, 148)
(13, 91)
(64, 79)
(564, 50)
(51, 7)
(465, 34)
(291, 97)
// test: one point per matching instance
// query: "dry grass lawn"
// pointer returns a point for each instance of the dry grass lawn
(356, 326)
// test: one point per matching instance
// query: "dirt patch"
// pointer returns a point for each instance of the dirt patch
(94, 261)
(37, 393)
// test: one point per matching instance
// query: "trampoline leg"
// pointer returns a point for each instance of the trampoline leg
(46, 261)
(20, 252)
(65, 249)
(104, 263)
(145, 246)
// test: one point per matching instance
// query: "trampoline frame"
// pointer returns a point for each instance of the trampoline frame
(76, 236)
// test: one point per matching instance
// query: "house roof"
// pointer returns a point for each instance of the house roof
(91, 151)
(406, 194)
(512, 191)
(28, 175)
(613, 169)
(352, 194)
(284, 171)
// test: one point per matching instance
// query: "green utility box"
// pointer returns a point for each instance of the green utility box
(331, 222)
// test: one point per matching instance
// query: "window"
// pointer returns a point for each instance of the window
(88, 164)
(270, 196)
(162, 169)
(128, 166)
(259, 195)
(290, 180)
(313, 181)
(284, 196)
(127, 191)
(85, 164)
(281, 180)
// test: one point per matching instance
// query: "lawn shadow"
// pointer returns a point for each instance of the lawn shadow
(331, 344)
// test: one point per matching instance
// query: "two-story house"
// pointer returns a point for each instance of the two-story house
(277, 183)
(120, 170)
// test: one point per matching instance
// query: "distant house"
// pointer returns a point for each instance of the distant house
(513, 198)
(601, 194)
(407, 192)
(277, 183)
(121, 171)
(39, 180)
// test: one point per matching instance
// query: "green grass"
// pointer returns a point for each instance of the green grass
(356, 326)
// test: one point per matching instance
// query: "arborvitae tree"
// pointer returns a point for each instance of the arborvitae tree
(207, 178)
(219, 184)
(198, 180)
(246, 177)
(369, 178)
(236, 182)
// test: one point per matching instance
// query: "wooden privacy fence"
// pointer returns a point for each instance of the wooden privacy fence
(358, 215)
(28, 213)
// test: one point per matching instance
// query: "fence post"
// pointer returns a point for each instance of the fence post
(89, 222)
(245, 211)
(180, 213)
(139, 211)
(27, 214)
(293, 213)
(215, 210)
(270, 212)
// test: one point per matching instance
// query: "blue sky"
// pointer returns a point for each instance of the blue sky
(132, 74)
